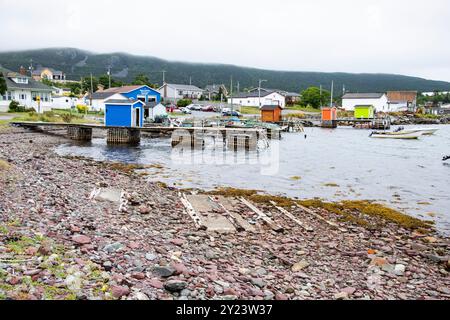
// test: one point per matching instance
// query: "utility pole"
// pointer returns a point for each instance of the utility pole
(238, 87)
(31, 67)
(259, 91)
(331, 100)
(164, 76)
(92, 90)
(321, 102)
(109, 75)
(231, 93)
(190, 80)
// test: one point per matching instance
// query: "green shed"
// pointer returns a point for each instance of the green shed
(364, 112)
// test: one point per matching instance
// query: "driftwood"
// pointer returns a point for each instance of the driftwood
(262, 216)
(330, 223)
(292, 217)
(191, 212)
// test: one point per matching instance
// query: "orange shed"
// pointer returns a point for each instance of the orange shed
(271, 113)
(329, 114)
(329, 117)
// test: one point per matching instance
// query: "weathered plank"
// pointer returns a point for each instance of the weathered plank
(262, 216)
(330, 223)
(292, 217)
(191, 211)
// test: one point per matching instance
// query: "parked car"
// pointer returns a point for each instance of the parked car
(208, 108)
(186, 110)
(195, 107)
(231, 114)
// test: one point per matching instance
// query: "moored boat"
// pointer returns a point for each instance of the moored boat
(396, 135)
(425, 131)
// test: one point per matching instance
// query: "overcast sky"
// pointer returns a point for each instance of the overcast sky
(379, 36)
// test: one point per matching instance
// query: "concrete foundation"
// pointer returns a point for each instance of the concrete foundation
(79, 133)
(123, 136)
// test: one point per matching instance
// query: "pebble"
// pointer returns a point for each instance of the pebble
(175, 285)
(163, 272)
(81, 239)
(299, 266)
(119, 291)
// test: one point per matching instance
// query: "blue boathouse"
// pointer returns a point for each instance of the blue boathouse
(124, 113)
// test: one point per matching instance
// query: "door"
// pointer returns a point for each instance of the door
(137, 117)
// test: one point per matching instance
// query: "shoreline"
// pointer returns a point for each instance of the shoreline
(153, 250)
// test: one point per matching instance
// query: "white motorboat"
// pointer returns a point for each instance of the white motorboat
(425, 131)
(396, 135)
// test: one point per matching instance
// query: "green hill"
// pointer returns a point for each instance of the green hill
(77, 63)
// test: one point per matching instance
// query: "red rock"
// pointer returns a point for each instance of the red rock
(349, 290)
(179, 268)
(155, 283)
(177, 242)
(133, 245)
(230, 292)
(138, 276)
(119, 291)
(14, 280)
(75, 229)
(81, 239)
(280, 296)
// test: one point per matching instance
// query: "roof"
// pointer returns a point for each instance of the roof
(100, 95)
(214, 87)
(124, 89)
(31, 85)
(252, 94)
(270, 107)
(402, 96)
(363, 95)
(123, 101)
(282, 92)
(38, 71)
(187, 87)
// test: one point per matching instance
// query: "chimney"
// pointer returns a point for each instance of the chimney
(23, 71)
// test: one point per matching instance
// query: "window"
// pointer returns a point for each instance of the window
(22, 96)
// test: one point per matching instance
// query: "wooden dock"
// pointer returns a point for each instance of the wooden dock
(234, 137)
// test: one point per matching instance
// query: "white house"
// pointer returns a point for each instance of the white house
(171, 91)
(253, 99)
(26, 91)
(378, 100)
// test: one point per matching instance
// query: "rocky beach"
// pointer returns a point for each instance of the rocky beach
(62, 238)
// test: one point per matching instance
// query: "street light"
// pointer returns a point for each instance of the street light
(259, 91)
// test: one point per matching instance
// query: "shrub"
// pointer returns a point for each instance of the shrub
(82, 108)
(183, 103)
(15, 107)
(67, 117)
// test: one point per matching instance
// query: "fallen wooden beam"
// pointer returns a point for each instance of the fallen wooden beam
(330, 223)
(262, 216)
(232, 219)
(292, 217)
(191, 211)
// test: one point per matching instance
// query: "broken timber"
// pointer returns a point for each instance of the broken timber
(330, 223)
(231, 217)
(292, 217)
(262, 216)
(191, 211)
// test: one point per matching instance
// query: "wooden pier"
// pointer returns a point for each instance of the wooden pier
(234, 138)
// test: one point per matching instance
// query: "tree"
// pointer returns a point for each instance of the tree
(104, 81)
(143, 80)
(3, 87)
(314, 98)
(86, 84)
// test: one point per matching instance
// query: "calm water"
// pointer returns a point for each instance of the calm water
(332, 164)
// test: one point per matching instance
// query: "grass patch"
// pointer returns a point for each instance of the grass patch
(302, 108)
(249, 110)
(51, 116)
(296, 178)
(332, 185)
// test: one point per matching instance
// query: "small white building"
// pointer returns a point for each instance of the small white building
(26, 91)
(378, 100)
(172, 92)
(253, 99)
(65, 102)
(155, 111)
